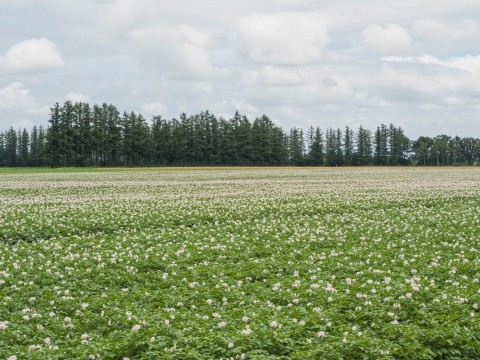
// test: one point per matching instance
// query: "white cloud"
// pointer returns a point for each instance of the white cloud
(349, 16)
(156, 33)
(470, 64)
(297, 61)
(202, 88)
(134, 92)
(454, 101)
(179, 51)
(29, 56)
(154, 108)
(288, 111)
(437, 35)
(391, 39)
(274, 75)
(366, 99)
(16, 97)
(23, 124)
(308, 94)
(244, 107)
(120, 16)
(428, 80)
(284, 38)
(426, 59)
(76, 97)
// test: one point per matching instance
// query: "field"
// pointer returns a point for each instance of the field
(290, 263)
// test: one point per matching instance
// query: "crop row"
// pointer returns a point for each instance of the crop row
(287, 263)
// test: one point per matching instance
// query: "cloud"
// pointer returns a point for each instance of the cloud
(134, 92)
(293, 38)
(23, 124)
(470, 64)
(274, 75)
(202, 88)
(366, 99)
(325, 63)
(154, 108)
(16, 97)
(426, 59)
(179, 51)
(76, 97)
(424, 36)
(436, 35)
(121, 16)
(244, 107)
(390, 39)
(329, 92)
(429, 80)
(30, 56)
(311, 85)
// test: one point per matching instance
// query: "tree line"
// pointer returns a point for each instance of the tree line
(82, 135)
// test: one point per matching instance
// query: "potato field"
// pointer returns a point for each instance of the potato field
(245, 263)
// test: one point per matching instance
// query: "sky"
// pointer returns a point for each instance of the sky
(327, 63)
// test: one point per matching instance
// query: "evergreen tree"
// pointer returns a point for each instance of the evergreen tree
(245, 142)
(279, 151)
(210, 138)
(34, 155)
(363, 154)
(331, 148)
(296, 147)
(348, 145)
(339, 156)
(3, 153)
(67, 132)
(42, 144)
(79, 136)
(309, 139)
(214, 140)
(24, 143)
(86, 134)
(160, 140)
(53, 147)
(316, 148)
(381, 145)
(399, 146)
(113, 139)
(262, 130)
(11, 147)
(177, 151)
(99, 134)
(137, 140)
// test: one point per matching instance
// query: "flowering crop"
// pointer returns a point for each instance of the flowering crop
(242, 263)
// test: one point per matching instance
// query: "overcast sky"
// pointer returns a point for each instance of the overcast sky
(327, 63)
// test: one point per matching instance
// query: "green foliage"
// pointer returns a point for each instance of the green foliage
(82, 136)
(193, 264)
